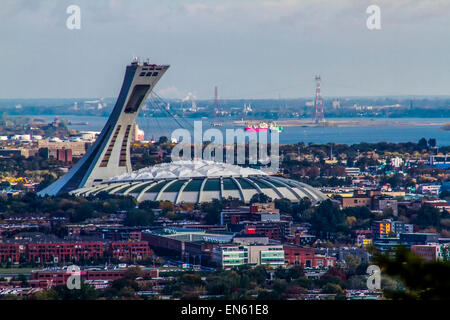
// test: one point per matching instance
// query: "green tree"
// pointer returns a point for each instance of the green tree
(260, 198)
(86, 292)
(213, 211)
(269, 295)
(327, 220)
(83, 211)
(432, 142)
(428, 217)
(422, 144)
(421, 280)
(163, 139)
(138, 217)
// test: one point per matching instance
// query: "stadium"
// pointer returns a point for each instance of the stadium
(202, 181)
(106, 166)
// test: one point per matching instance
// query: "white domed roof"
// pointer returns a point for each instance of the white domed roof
(188, 169)
(202, 181)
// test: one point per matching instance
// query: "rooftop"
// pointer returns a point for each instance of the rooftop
(188, 169)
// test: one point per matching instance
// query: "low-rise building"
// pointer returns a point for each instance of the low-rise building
(231, 255)
(356, 202)
(11, 252)
(352, 171)
(438, 204)
(429, 252)
(382, 229)
(419, 238)
(50, 278)
(306, 257)
(130, 251)
(401, 227)
(228, 256)
(430, 189)
(384, 204)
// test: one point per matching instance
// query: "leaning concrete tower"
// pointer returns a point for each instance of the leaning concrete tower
(110, 154)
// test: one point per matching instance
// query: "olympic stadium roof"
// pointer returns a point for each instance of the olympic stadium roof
(202, 181)
(188, 169)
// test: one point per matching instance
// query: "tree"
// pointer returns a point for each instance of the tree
(148, 205)
(289, 274)
(5, 185)
(351, 263)
(83, 211)
(138, 217)
(260, 198)
(132, 273)
(332, 288)
(163, 139)
(284, 205)
(432, 142)
(428, 217)
(422, 144)
(358, 212)
(269, 295)
(421, 280)
(86, 292)
(445, 194)
(213, 211)
(357, 282)
(327, 220)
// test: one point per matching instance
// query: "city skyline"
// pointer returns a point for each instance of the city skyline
(260, 50)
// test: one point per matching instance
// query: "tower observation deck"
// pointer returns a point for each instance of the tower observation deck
(110, 154)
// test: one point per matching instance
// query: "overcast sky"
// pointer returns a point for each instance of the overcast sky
(248, 48)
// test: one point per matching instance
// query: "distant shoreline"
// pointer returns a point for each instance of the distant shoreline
(342, 123)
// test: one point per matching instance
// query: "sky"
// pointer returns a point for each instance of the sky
(250, 49)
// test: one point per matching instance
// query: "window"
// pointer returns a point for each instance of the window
(123, 150)
(194, 185)
(155, 74)
(105, 159)
(136, 97)
(228, 184)
(176, 186)
(212, 185)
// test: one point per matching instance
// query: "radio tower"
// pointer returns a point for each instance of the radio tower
(318, 105)
(216, 100)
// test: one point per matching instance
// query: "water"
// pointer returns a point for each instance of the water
(156, 127)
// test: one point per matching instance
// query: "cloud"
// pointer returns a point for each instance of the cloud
(170, 92)
(315, 11)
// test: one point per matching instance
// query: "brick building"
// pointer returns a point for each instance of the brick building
(63, 252)
(137, 250)
(64, 155)
(430, 252)
(356, 202)
(296, 255)
(49, 278)
(10, 252)
(275, 230)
